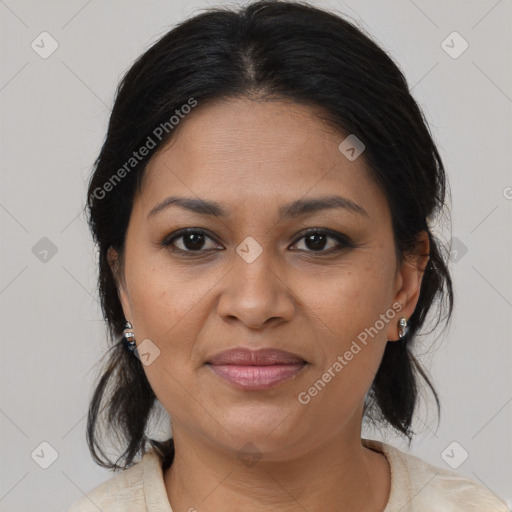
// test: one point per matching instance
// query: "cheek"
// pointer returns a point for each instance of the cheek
(350, 330)
(166, 299)
(350, 300)
(167, 308)
(170, 306)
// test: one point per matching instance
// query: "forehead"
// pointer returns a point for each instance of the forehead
(250, 152)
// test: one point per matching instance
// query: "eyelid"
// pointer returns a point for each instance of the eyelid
(339, 237)
(169, 239)
(342, 240)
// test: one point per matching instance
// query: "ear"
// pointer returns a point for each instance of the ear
(117, 271)
(408, 281)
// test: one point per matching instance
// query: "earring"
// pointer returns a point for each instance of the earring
(129, 337)
(402, 329)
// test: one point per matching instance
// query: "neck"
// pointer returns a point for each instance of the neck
(340, 474)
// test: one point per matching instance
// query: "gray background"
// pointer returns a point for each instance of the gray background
(54, 115)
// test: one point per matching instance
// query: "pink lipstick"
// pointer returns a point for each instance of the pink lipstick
(256, 369)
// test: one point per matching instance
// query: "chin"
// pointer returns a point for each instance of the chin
(269, 431)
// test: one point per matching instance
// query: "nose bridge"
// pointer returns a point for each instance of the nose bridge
(254, 290)
(255, 267)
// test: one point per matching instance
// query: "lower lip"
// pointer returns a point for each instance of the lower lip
(257, 377)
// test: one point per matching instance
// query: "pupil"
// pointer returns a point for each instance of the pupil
(319, 244)
(196, 241)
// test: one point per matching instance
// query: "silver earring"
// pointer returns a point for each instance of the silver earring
(129, 337)
(402, 328)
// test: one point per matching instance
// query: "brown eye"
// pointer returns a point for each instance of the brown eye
(317, 240)
(190, 240)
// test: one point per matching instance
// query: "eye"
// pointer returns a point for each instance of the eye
(316, 240)
(195, 240)
(189, 240)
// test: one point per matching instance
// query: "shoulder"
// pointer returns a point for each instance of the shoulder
(417, 486)
(124, 491)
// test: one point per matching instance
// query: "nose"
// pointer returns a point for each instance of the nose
(256, 293)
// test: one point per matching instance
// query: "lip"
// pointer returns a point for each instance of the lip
(255, 378)
(256, 369)
(263, 357)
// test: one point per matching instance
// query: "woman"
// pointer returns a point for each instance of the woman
(262, 205)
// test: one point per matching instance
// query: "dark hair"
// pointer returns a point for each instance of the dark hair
(278, 50)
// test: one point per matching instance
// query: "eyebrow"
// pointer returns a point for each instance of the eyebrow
(289, 211)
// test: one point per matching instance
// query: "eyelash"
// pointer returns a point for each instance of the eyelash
(343, 241)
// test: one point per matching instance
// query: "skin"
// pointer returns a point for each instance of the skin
(253, 157)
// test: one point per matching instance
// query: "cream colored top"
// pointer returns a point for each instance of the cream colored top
(416, 486)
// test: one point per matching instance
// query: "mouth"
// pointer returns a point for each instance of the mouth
(253, 378)
(256, 370)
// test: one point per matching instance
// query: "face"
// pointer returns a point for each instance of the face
(310, 281)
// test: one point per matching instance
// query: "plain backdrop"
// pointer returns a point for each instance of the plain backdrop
(54, 114)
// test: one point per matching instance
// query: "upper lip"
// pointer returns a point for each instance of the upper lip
(262, 357)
